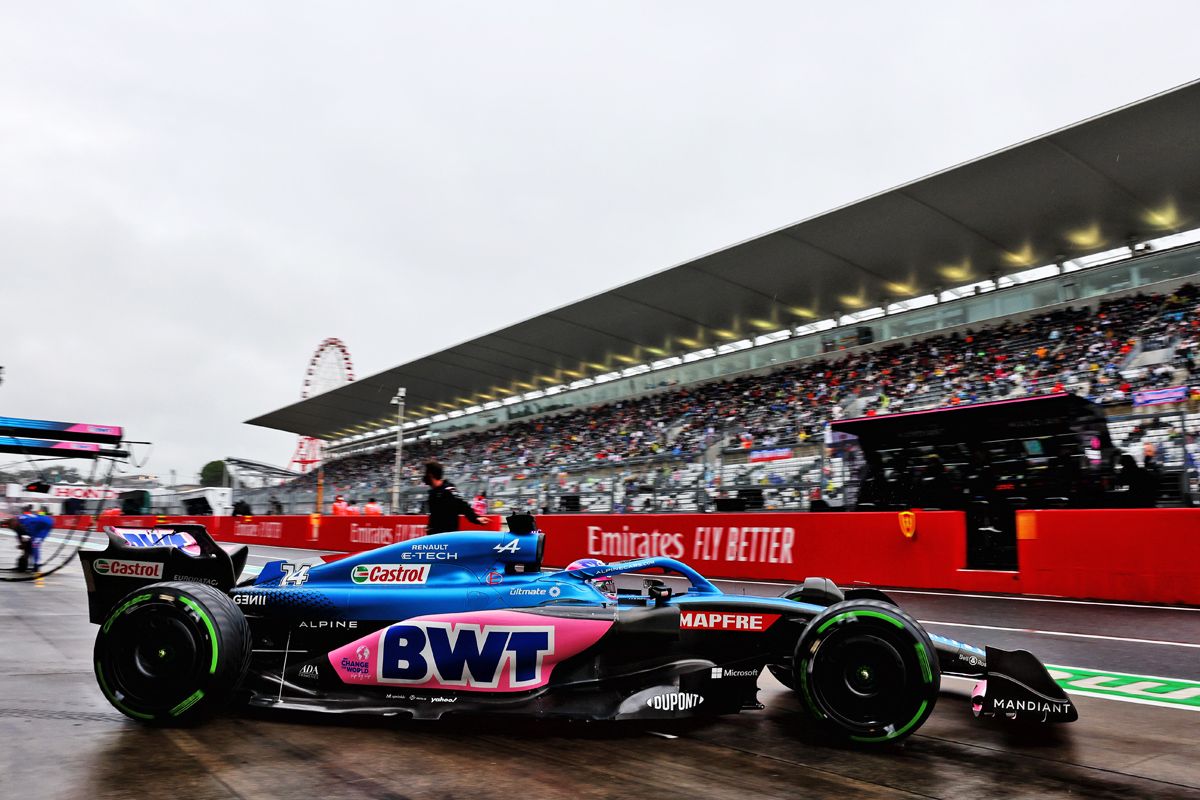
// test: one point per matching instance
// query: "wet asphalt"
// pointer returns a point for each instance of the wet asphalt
(59, 738)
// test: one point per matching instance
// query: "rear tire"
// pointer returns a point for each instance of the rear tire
(867, 671)
(172, 653)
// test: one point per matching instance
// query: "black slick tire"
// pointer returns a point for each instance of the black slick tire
(867, 671)
(172, 653)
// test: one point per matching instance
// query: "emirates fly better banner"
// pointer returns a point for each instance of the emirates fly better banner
(760, 546)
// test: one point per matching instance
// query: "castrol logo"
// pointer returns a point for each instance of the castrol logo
(127, 569)
(395, 574)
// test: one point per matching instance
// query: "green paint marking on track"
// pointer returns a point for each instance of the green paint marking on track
(1169, 692)
(212, 632)
(875, 614)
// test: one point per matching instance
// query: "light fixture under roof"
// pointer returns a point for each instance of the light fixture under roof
(852, 300)
(956, 272)
(1024, 256)
(1091, 236)
(1165, 217)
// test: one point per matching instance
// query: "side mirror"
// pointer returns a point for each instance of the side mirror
(658, 591)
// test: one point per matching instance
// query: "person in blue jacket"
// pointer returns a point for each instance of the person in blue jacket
(24, 543)
(38, 525)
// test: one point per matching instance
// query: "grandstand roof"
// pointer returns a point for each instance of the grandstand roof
(1129, 174)
(261, 469)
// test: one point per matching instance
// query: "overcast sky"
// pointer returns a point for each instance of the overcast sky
(192, 196)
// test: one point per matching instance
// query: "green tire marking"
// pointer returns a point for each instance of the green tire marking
(926, 673)
(112, 698)
(898, 733)
(807, 697)
(864, 613)
(188, 703)
(112, 617)
(212, 632)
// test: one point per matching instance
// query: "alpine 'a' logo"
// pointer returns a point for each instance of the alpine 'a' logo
(675, 701)
(1006, 704)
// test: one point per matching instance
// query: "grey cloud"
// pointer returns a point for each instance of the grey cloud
(194, 196)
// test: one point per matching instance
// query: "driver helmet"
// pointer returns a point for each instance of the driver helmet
(606, 585)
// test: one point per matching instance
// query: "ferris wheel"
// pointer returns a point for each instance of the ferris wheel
(329, 368)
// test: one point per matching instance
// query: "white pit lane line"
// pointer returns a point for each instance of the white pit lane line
(1060, 633)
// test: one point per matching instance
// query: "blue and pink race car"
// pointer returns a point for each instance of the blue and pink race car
(460, 623)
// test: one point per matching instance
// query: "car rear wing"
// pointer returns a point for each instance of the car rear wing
(137, 557)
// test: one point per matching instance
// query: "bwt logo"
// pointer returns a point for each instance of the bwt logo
(464, 654)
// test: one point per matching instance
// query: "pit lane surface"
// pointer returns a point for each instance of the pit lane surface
(61, 739)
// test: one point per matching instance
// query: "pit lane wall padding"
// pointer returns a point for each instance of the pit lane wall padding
(1135, 555)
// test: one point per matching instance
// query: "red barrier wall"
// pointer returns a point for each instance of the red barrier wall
(1140, 555)
(1137, 555)
(848, 548)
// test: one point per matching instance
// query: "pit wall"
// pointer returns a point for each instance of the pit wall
(1140, 555)
(1135, 555)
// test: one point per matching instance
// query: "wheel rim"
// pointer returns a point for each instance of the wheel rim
(154, 656)
(860, 680)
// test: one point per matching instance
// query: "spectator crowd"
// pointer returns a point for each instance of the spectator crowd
(1086, 351)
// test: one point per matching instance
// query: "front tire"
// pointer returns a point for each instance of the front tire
(172, 653)
(867, 671)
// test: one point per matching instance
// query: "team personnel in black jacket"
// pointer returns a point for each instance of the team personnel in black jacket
(445, 503)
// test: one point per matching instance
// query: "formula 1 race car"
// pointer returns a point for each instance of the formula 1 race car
(469, 623)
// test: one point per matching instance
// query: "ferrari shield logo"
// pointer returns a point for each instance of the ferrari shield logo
(908, 524)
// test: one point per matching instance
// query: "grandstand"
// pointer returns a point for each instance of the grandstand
(1047, 267)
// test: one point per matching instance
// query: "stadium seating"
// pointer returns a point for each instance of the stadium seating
(1107, 353)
